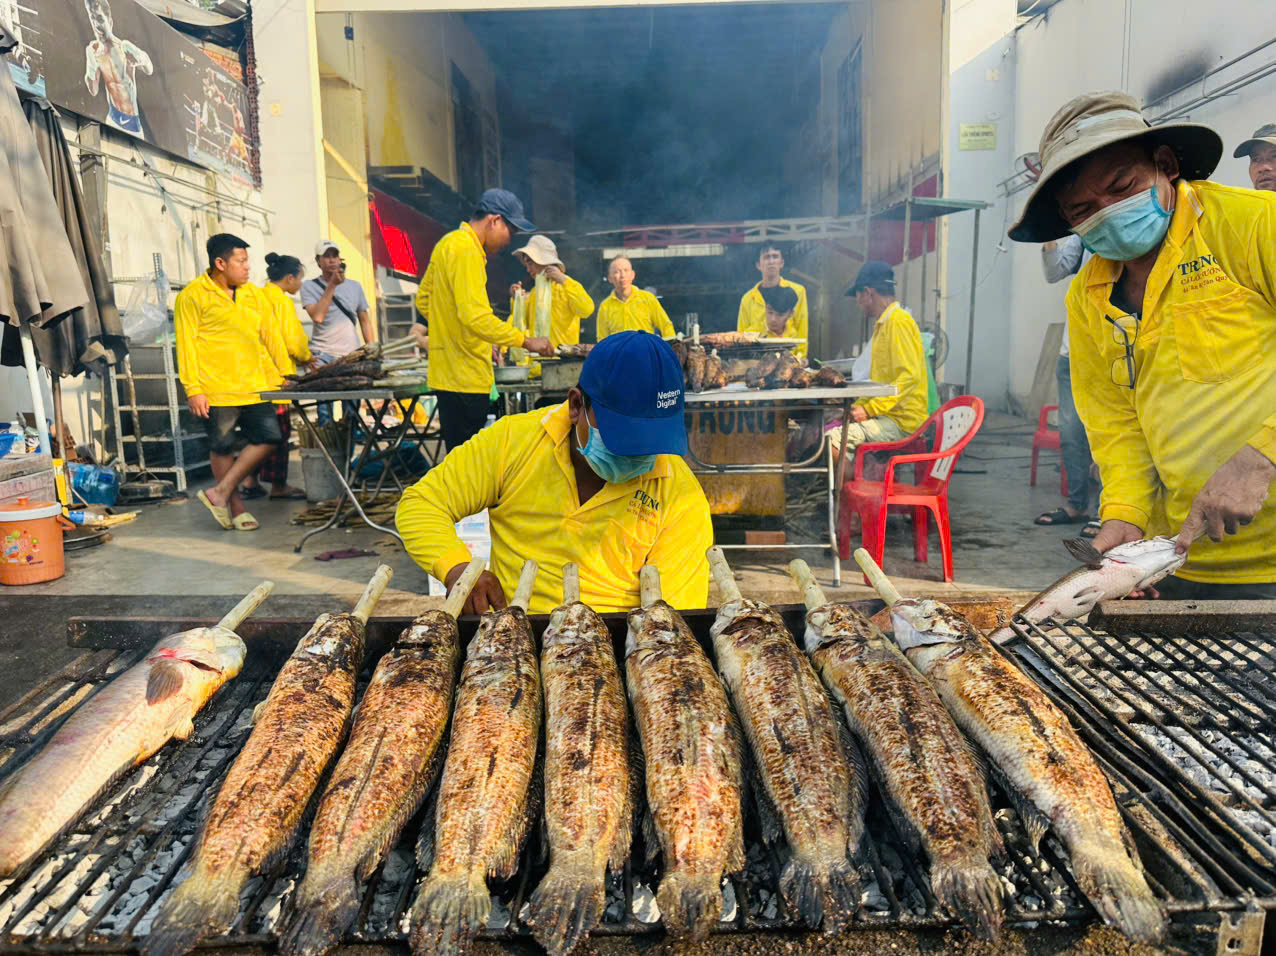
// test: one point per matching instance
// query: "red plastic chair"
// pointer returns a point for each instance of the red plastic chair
(1047, 437)
(955, 424)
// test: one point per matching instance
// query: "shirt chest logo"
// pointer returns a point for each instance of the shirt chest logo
(1200, 273)
(643, 507)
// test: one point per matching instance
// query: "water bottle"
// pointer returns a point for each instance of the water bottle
(94, 484)
(491, 420)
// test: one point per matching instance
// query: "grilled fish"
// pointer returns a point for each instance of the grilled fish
(487, 795)
(131, 718)
(588, 812)
(808, 783)
(1104, 577)
(1038, 756)
(254, 818)
(691, 746)
(378, 784)
(923, 766)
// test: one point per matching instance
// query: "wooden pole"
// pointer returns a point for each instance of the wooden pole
(460, 592)
(241, 611)
(372, 593)
(877, 577)
(812, 593)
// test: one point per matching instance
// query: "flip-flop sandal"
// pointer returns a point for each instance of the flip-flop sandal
(1059, 516)
(245, 522)
(293, 494)
(220, 513)
(1091, 529)
(251, 494)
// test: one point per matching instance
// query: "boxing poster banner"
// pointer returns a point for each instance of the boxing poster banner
(114, 61)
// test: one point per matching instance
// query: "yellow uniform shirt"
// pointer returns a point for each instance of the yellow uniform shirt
(642, 312)
(752, 316)
(520, 469)
(1205, 373)
(226, 349)
(282, 311)
(453, 300)
(898, 359)
(571, 303)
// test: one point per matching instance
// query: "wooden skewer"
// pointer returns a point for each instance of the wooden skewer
(571, 583)
(372, 593)
(728, 590)
(523, 596)
(244, 609)
(649, 584)
(460, 592)
(877, 577)
(812, 593)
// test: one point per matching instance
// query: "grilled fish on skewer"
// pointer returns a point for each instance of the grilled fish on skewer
(254, 818)
(692, 756)
(487, 795)
(923, 765)
(697, 367)
(131, 718)
(1034, 750)
(391, 760)
(798, 750)
(588, 814)
(1105, 577)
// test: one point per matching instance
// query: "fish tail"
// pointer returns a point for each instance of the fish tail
(321, 917)
(972, 892)
(448, 913)
(821, 891)
(1119, 893)
(690, 903)
(567, 904)
(198, 908)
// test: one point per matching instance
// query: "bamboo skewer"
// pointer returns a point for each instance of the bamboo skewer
(461, 589)
(244, 609)
(728, 590)
(812, 593)
(523, 595)
(877, 577)
(649, 585)
(372, 593)
(571, 583)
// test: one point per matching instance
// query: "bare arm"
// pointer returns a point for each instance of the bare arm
(365, 323)
(90, 68)
(140, 57)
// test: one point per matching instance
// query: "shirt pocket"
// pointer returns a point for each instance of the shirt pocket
(624, 552)
(1217, 339)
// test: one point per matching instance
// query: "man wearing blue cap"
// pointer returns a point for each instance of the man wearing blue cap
(597, 481)
(452, 300)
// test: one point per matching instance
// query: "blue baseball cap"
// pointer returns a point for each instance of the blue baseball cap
(635, 386)
(505, 204)
(874, 275)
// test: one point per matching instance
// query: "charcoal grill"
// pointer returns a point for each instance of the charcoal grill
(98, 887)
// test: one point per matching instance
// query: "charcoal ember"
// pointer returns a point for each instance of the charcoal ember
(337, 383)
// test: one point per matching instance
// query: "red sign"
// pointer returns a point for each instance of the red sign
(402, 237)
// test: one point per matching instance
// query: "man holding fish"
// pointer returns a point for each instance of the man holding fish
(1172, 332)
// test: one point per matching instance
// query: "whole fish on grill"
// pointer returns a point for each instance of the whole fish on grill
(827, 378)
(1033, 751)
(488, 794)
(588, 805)
(925, 771)
(809, 785)
(692, 752)
(697, 367)
(252, 822)
(1104, 576)
(393, 756)
(117, 728)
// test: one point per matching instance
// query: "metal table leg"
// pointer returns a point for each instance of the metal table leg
(835, 493)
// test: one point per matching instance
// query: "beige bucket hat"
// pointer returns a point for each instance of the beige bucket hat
(1264, 134)
(542, 251)
(1089, 123)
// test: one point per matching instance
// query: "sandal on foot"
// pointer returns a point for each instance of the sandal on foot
(250, 494)
(1060, 516)
(245, 522)
(220, 513)
(1091, 529)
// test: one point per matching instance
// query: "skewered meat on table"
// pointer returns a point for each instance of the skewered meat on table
(827, 377)
(335, 383)
(697, 366)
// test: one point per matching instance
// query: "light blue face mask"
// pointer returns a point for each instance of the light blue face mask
(610, 467)
(1127, 229)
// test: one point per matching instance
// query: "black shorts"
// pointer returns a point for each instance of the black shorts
(462, 415)
(251, 424)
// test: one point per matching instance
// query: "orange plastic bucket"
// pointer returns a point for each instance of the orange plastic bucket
(30, 542)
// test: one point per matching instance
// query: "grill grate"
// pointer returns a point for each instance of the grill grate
(99, 886)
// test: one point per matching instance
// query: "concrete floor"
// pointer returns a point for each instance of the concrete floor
(174, 559)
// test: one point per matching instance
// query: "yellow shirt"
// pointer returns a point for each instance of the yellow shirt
(520, 469)
(226, 349)
(571, 303)
(642, 311)
(453, 300)
(281, 310)
(1205, 373)
(752, 316)
(898, 359)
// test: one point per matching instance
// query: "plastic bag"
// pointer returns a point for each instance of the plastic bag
(145, 318)
(544, 294)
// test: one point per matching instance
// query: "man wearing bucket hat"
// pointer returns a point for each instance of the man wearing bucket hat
(1261, 150)
(597, 480)
(569, 301)
(1172, 328)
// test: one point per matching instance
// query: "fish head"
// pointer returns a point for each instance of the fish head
(1154, 559)
(838, 624)
(651, 628)
(733, 613)
(570, 624)
(213, 649)
(430, 628)
(926, 629)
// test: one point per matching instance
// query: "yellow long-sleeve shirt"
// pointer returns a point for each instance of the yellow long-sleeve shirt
(752, 317)
(226, 349)
(282, 311)
(570, 304)
(452, 298)
(1205, 373)
(642, 311)
(520, 469)
(899, 360)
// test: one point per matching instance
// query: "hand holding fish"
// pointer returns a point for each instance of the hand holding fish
(1230, 498)
(1115, 532)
